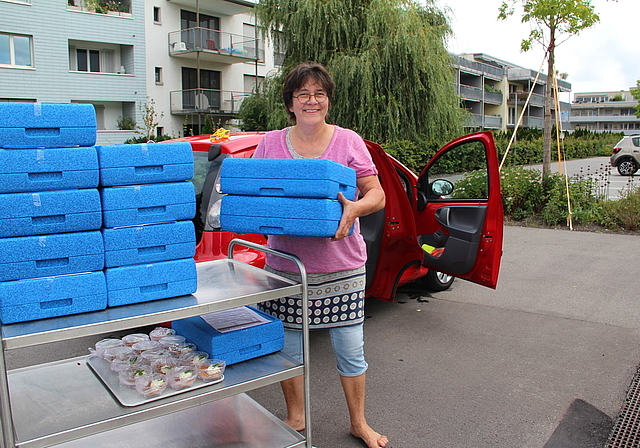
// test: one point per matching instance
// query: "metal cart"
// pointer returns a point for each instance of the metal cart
(63, 403)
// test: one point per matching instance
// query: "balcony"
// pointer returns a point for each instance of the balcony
(484, 121)
(213, 46)
(535, 100)
(478, 94)
(209, 101)
(479, 68)
(225, 7)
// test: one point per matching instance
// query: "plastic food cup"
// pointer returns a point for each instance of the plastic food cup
(181, 349)
(151, 385)
(145, 345)
(164, 364)
(148, 356)
(172, 340)
(160, 332)
(128, 375)
(104, 344)
(121, 351)
(120, 363)
(182, 377)
(192, 359)
(211, 369)
(131, 339)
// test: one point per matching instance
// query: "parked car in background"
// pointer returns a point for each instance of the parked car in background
(422, 235)
(626, 155)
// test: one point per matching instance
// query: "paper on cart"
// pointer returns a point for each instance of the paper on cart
(234, 319)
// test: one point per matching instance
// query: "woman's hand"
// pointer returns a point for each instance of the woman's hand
(372, 200)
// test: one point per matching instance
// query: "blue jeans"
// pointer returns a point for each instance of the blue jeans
(347, 343)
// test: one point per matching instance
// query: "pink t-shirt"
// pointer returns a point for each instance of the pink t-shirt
(321, 254)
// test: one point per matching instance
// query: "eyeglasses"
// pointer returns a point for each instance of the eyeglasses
(304, 98)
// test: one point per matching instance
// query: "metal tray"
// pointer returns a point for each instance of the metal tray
(128, 396)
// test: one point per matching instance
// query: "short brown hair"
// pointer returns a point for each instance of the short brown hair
(299, 76)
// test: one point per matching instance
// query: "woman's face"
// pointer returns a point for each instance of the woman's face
(312, 106)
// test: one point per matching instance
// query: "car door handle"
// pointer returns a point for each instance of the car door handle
(442, 215)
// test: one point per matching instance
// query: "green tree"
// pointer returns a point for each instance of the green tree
(636, 94)
(394, 76)
(553, 22)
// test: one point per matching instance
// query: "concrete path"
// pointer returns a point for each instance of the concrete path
(544, 361)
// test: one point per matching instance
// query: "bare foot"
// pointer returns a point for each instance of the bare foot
(296, 424)
(370, 437)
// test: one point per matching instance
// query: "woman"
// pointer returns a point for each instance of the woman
(335, 266)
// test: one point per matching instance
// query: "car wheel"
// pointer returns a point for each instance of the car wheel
(437, 281)
(627, 168)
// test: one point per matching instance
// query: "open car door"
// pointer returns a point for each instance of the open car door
(459, 217)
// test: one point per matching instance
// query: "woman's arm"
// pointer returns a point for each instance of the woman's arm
(372, 200)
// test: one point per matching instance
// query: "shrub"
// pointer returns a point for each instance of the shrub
(625, 212)
(586, 203)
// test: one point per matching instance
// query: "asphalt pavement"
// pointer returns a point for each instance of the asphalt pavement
(543, 361)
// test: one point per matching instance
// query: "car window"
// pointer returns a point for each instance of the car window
(636, 141)
(465, 167)
(200, 169)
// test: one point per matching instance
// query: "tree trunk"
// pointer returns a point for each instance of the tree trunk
(546, 142)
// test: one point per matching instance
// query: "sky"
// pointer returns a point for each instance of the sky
(603, 58)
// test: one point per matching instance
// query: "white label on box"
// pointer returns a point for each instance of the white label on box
(234, 319)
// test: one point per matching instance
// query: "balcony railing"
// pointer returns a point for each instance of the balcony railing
(206, 101)
(480, 68)
(484, 121)
(214, 45)
(479, 94)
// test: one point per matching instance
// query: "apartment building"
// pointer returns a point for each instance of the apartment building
(605, 111)
(191, 58)
(59, 51)
(495, 93)
(203, 58)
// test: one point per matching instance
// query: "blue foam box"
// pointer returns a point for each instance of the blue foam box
(148, 243)
(48, 169)
(45, 212)
(145, 163)
(143, 204)
(236, 345)
(318, 218)
(40, 298)
(153, 281)
(49, 255)
(312, 178)
(47, 125)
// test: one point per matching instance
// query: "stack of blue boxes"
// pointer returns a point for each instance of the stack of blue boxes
(51, 250)
(293, 197)
(148, 202)
(67, 231)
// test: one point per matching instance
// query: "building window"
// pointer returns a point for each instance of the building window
(88, 60)
(15, 50)
(93, 60)
(279, 50)
(252, 44)
(157, 18)
(158, 74)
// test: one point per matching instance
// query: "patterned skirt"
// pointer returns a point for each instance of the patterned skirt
(335, 300)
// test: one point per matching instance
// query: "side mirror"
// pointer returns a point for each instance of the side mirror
(441, 187)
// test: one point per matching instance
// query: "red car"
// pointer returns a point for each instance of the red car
(428, 231)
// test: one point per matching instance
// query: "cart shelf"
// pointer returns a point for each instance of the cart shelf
(222, 284)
